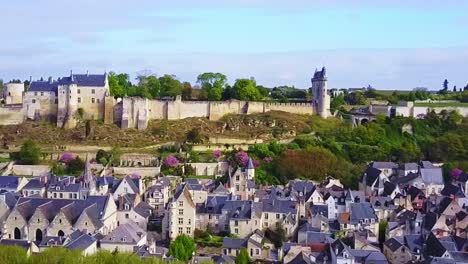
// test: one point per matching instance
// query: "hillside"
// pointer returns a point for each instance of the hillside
(265, 126)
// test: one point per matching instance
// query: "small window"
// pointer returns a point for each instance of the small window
(181, 221)
(42, 93)
(56, 101)
(189, 221)
(93, 91)
(127, 216)
(181, 211)
(33, 101)
(181, 203)
(79, 99)
(35, 93)
(93, 100)
(79, 91)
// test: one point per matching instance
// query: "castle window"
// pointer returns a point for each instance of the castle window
(127, 216)
(189, 221)
(79, 99)
(181, 203)
(33, 101)
(61, 195)
(93, 100)
(35, 93)
(181, 211)
(93, 91)
(42, 93)
(79, 91)
(189, 230)
(180, 230)
(181, 221)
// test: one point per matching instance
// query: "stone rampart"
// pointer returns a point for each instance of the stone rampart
(11, 116)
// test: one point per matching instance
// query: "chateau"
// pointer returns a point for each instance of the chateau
(87, 96)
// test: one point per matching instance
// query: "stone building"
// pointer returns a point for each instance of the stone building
(66, 99)
(34, 218)
(13, 93)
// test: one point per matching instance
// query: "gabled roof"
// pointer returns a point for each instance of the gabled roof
(128, 233)
(393, 244)
(143, 209)
(434, 247)
(235, 243)
(81, 243)
(360, 211)
(301, 258)
(371, 175)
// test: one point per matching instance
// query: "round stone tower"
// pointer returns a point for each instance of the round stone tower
(13, 93)
(321, 101)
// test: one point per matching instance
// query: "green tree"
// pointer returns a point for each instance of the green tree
(170, 86)
(119, 84)
(30, 153)
(383, 225)
(212, 84)
(187, 91)
(75, 166)
(182, 248)
(246, 90)
(243, 257)
(149, 86)
(337, 102)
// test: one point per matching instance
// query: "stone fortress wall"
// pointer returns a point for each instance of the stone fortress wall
(59, 101)
(136, 112)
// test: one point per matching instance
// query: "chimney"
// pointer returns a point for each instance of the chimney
(87, 73)
(50, 79)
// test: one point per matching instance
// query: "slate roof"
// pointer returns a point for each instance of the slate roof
(360, 211)
(62, 187)
(72, 209)
(317, 237)
(9, 198)
(213, 205)
(132, 183)
(241, 210)
(43, 86)
(389, 188)
(451, 189)
(301, 258)
(16, 242)
(427, 164)
(410, 166)
(371, 175)
(81, 243)
(384, 165)
(319, 209)
(414, 242)
(393, 244)
(128, 233)
(143, 209)
(9, 182)
(434, 246)
(432, 175)
(275, 205)
(34, 184)
(235, 243)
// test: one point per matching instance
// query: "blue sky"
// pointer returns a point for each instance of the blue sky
(388, 44)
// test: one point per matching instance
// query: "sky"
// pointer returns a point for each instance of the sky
(388, 44)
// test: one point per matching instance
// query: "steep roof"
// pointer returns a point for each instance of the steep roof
(128, 233)
(432, 176)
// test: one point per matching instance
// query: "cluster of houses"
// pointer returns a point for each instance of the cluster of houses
(402, 213)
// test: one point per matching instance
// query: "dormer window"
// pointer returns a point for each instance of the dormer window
(127, 207)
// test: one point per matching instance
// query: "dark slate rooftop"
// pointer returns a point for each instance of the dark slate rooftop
(81, 243)
(235, 243)
(274, 205)
(361, 211)
(43, 86)
(16, 242)
(9, 182)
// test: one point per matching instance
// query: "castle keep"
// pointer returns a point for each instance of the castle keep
(87, 96)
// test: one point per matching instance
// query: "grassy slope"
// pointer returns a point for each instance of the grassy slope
(158, 131)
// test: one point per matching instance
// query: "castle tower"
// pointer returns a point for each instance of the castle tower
(321, 101)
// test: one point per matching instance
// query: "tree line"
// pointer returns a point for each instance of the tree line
(212, 87)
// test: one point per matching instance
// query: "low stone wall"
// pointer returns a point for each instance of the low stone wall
(233, 141)
(30, 170)
(142, 171)
(210, 168)
(11, 116)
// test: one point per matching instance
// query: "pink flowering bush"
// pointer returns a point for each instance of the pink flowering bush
(456, 172)
(268, 159)
(242, 158)
(171, 161)
(66, 157)
(217, 154)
